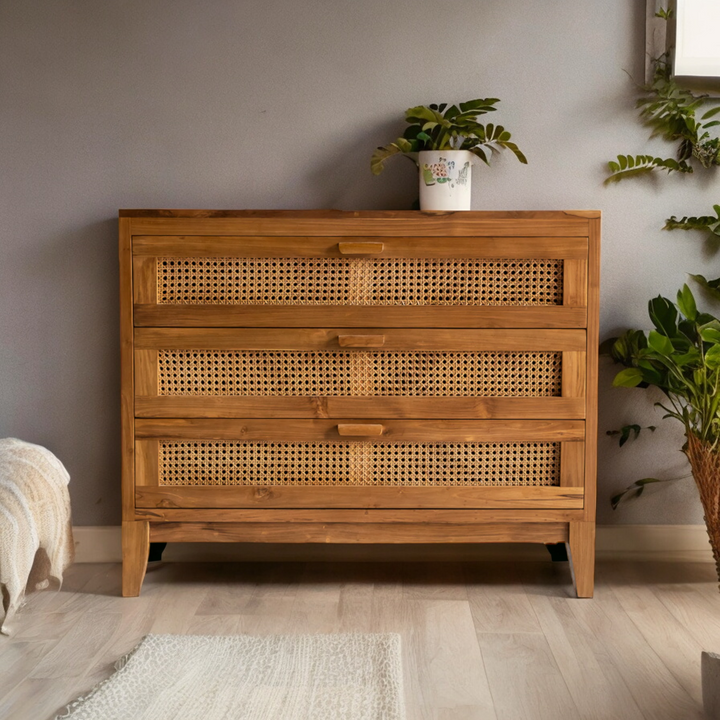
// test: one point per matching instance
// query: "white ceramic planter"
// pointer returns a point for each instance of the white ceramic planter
(445, 177)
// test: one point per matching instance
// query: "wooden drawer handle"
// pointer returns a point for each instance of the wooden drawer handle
(361, 341)
(359, 429)
(360, 248)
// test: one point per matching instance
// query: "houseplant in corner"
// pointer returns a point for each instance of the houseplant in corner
(681, 357)
(444, 142)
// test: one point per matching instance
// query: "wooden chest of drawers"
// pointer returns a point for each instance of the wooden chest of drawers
(393, 377)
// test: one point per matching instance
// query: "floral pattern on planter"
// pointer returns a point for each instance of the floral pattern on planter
(444, 171)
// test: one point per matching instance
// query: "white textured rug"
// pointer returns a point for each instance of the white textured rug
(278, 677)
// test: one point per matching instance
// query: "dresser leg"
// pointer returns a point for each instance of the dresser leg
(581, 549)
(135, 547)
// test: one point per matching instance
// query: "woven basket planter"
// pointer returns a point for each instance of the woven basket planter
(705, 464)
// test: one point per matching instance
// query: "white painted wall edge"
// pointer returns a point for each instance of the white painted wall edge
(676, 543)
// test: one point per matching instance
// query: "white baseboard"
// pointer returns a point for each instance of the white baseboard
(674, 543)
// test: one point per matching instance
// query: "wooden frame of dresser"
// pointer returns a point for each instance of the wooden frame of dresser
(522, 516)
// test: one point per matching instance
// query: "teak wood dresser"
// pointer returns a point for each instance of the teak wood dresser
(359, 377)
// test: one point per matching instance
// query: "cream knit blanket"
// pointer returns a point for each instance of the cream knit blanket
(34, 515)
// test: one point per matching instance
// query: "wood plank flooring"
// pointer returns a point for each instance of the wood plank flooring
(481, 641)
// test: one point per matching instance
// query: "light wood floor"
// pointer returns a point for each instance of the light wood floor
(481, 641)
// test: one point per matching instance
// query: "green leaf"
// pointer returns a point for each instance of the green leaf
(712, 287)
(377, 161)
(626, 348)
(706, 223)
(516, 151)
(712, 357)
(707, 320)
(663, 315)
(653, 374)
(660, 343)
(629, 166)
(710, 334)
(625, 433)
(686, 303)
(626, 430)
(630, 377)
(422, 113)
(411, 132)
(693, 356)
(481, 106)
(477, 150)
(711, 113)
(635, 490)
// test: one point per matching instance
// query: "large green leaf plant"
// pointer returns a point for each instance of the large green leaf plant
(680, 357)
(454, 127)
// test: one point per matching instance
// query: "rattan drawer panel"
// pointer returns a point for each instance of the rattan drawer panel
(236, 473)
(374, 373)
(176, 376)
(358, 453)
(358, 464)
(450, 282)
(358, 281)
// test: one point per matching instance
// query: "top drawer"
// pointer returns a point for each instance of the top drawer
(315, 282)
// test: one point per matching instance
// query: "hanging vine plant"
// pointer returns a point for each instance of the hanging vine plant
(708, 223)
(668, 358)
(671, 113)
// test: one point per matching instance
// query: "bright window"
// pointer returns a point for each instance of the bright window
(698, 38)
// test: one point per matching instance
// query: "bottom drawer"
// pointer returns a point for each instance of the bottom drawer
(363, 463)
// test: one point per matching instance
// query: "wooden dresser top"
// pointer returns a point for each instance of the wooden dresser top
(380, 214)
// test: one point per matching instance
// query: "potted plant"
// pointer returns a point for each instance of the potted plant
(444, 141)
(681, 357)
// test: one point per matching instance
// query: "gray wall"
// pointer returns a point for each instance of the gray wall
(278, 104)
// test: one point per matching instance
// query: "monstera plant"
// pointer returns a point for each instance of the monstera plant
(681, 357)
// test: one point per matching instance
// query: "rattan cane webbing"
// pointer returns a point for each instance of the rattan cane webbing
(353, 464)
(359, 373)
(358, 281)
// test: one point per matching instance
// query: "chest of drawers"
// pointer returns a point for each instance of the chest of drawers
(365, 377)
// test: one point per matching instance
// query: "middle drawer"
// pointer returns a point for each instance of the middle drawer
(359, 372)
